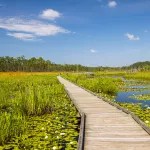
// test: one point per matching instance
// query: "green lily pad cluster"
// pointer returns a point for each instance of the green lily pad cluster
(58, 130)
(143, 112)
(134, 85)
(141, 96)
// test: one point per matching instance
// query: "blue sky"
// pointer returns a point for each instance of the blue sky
(87, 32)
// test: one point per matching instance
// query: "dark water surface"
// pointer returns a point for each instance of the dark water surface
(124, 97)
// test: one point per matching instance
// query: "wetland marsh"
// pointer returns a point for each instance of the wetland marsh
(121, 88)
(36, 113)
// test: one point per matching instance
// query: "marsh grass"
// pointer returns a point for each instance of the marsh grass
(26, 97)
(108, 87)
(111, 73)
(143, 76)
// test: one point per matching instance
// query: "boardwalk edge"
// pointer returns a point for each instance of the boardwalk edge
(135, 117)
(82, 123)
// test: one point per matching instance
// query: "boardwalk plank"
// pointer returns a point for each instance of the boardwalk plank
(107, 128)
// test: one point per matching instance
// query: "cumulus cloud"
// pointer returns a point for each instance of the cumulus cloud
(23, 36)
(33, 28)
(112, 4)
(93, 51)
(132, 37)
(49, 14)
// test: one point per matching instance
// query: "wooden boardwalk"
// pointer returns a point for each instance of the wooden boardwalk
(107, 128)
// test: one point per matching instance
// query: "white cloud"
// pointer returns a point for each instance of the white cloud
(132, 37)
(31, 27)
(23, 36)
(112, 4)
(93, 51)
(50, 14)
(145, 31)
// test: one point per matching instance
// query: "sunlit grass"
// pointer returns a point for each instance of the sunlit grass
(107, 73)
(139, 75)
(105, 86)
(125, 74)
(26, 97)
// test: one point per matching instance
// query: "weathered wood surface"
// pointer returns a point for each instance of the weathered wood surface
(107, 128)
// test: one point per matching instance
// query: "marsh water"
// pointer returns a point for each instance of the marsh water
(124, 97)
(141, 89)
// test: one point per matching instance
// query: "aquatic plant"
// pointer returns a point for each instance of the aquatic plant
(32, 108)
(141, 96)
(142, 111)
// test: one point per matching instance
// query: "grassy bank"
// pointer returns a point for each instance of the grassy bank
(104, 86)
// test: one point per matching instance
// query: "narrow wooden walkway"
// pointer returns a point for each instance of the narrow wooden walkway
(107, 128)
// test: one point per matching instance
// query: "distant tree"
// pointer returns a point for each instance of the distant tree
(39, 64)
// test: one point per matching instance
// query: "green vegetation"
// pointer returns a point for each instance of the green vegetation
(104, 86)
(134, 85)
(141, 96)
(111, 73)
(130, 81)
(107, 86)
(33, 64)
(11, 64)
(141, 76)
(141, 65)
(137, 109)
(36, 113)
(144, 76)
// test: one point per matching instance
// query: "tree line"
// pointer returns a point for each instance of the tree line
(37, 65)
(33, 64)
